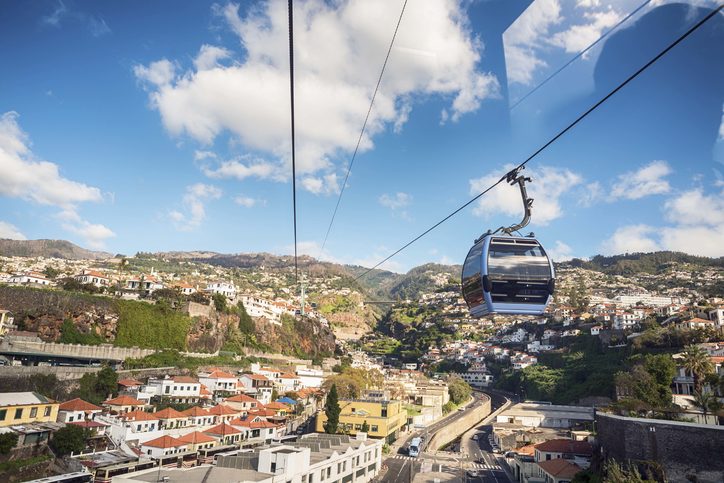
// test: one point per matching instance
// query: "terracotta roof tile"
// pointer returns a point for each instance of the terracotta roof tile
(222, 430)
(78, 404)
(123, 401)
(196, 437)
(169, 413)
(559, 468)
(164, 442)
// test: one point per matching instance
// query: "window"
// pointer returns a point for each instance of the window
(374, 428)
(384, 412)
(70, 419)
(33, 412)
(358, 427)
(18, 413)
(3, 413)
(138, 427)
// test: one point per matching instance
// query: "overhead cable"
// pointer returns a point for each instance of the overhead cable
(581, 53)
(294, 160)
(557, 136)
(364, 126)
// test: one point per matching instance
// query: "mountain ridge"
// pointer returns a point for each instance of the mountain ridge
(48, 248)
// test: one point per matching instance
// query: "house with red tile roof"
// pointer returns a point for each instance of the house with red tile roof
(578, 451)
(133, 426)
(96, 428)
(197, 440)
(77, 410)
(257, 430)
(223, 413)
(220, 382)
(199, 416)
(163, 446)
(93, 277)
(261, 385)
(242, 402)
(122, 404)
(171, 419)
(225, 433)
(176, 389)
(557, 471)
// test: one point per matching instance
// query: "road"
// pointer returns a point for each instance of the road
(402, 468)
(480, 450)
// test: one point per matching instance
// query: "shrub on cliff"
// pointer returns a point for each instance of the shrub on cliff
(155, 326)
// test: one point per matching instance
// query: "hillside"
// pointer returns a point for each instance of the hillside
(48, 249)
(653, 263)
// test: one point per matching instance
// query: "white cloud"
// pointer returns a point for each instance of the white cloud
(591, 194)
(697, 228)
(247, 168)
(396, 201)
(631, 239)
(194, 202)
(560, 252)
(646, 181)
(524, 38)
(578, 37)
(548, 186)
(209, 57)
(24, 176)
(248, 202)
(10, 231)
(159, 73)
(327, 184)
(721, 126)
(338, 51)
(96, 25)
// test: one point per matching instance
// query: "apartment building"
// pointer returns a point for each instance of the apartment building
(18, 408)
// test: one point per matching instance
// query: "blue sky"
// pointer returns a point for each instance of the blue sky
(149, 126)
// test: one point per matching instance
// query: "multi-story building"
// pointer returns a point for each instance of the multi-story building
(77, 410)
(224, 288)
(91, 277)
(384, 417)
(220, 381)
(6, 322)
(18, 408)
(310, 377)
(177, 389)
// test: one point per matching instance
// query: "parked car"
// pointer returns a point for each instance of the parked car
(472, 473)
(475, 437)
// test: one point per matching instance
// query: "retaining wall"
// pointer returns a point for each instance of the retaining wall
(685, 451)
(63, 373)
(456, 428)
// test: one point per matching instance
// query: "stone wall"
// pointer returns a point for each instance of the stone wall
(450, 432)
(63, 373)
(102, 352)
(685, 451)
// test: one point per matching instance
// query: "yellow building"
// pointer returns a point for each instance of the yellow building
(384, 417)
(26, 407)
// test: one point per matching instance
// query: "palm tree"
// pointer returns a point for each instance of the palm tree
(704, 401)
(697, 361)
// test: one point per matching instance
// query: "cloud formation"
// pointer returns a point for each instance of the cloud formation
(10, 231)
(548, 186)
(646, 181)
(24, 176)
(339, 49)
(194, 202)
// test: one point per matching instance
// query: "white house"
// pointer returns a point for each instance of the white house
(77, 410)
(310, 377)
(163, 446)
(29, 278)
(217, 381)
(224, 288)
(92, 277)
(180, 389)
(138, 426)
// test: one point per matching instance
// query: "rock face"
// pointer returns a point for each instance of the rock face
(48, 249)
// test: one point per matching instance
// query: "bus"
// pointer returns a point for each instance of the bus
(414, 448)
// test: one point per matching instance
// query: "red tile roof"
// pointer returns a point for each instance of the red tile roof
(565, 446)
(250, 423)
(559, 468)
(185, 379)
(257, 377)
(78, 404)
(169, 413)
(123, 401)
(195, 412)
(129, 382)
(138, 416)
(221, 375)
(242, 398)
(222, 430)
(221, 410)
(277, 405)
(164, 442)
(196, 437)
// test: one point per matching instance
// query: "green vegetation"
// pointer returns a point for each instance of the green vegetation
(219, 300)
(336, 305)
(171, 358)
(562, 378)
(8, 442)
(672, 337)
(382, 346)
(69, 334)
(647, 385)
(332, 410)
(413, 409)
(459, 390)
(69, 439)
(15, 465)
(352, 381)
(634, 263)
(96, 387)
(156, 326)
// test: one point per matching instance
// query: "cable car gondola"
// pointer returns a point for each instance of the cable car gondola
(506, 274)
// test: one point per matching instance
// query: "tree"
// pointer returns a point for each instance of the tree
(704, 401)
(95, 388)
(365, 427)
(332, 410)
(51, 272)
(696, 360)
(8, 442)
(459, 390)
(68, 439)
(219, 302)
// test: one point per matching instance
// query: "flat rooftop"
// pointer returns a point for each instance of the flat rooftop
(199, 474)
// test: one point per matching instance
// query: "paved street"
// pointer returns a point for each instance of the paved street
(475, 463)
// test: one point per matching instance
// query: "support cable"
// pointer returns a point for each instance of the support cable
(581, 53)
(364, 126)
(294, 161)
(570, 126)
